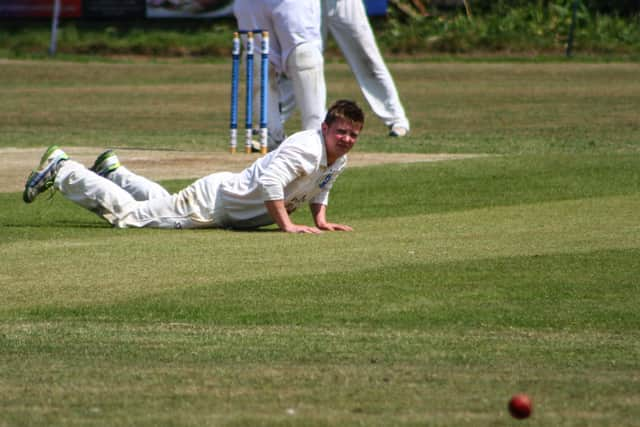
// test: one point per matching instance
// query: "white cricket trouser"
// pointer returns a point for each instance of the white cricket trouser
(347, 22)
(194, 207)
(304, 86)
(306, 66)
(138, 186)
(289, 22)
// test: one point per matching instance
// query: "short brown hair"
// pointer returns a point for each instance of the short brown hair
(346, 110)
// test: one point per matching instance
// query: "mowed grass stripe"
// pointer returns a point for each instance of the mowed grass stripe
(154, 373)
(226, 345)
(407, 189)
(592, 291)
(481, 108)
(145, 262)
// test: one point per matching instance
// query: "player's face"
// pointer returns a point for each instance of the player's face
(339, 138)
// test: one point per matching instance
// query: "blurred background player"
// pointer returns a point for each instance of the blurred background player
(348, 24)
(295, 51)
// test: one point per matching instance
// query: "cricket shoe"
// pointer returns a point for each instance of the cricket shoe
(256, 147)
(398, 131)
(105, 163)
(41, 179)
(253, 147)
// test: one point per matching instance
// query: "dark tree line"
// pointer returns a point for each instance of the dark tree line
(619, 7)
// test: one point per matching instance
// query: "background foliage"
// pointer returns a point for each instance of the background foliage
(619, 7)
(502, 27)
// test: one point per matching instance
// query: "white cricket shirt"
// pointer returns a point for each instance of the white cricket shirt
(296, 172)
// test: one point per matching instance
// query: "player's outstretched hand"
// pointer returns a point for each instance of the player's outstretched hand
(295, 228)
(329, 226)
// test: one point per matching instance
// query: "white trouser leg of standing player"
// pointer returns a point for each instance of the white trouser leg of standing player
(305, 67)
(347, 22)
(275, 118)
(193, 207)
(286, 97)
(304, 87)
(294, 29)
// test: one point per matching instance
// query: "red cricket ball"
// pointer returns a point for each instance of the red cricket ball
(520, 406)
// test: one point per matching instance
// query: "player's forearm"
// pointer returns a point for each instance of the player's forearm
(319, 213)
(278, 212)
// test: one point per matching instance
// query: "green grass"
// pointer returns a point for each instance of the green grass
(497, 108)
(464, 282)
